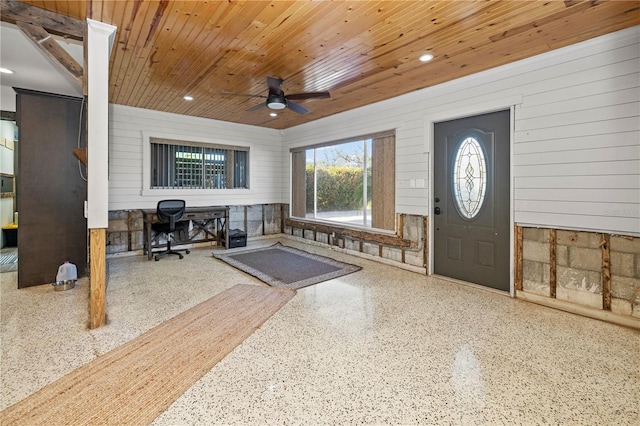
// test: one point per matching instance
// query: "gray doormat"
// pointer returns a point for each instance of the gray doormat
(288, 267)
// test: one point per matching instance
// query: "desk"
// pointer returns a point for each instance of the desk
(210, 221)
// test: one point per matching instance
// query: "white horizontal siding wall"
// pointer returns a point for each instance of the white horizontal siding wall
(128, 125)
(576, 144)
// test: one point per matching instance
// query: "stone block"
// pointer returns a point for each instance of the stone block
(625, 244)
(585, 258)
(535, 287)
(580, 297)
(637, 257)
(622, 264)
(308, 235)
(562, 255)
(392, 253)
(297, 232)
(372, 249)
(254, 228)
(414, 258)
(350, 244)
(117, 214)
(322, 237)
(533, 271)
(236, 224)
(118, 225)
(540, 235)
(578, 239)
(626, 289)
(579, 279)
(536, 251)
(412, 229)
(254, 212)
(622, 307)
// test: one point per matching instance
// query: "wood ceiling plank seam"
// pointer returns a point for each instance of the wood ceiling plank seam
(363, 58)
(163, 48)
(205, 91)
(135, 31)
(308, 16)
(257, 83)
(109, 12)
(120, 57)
(442, 74)
(192, 35)
(191, 51)
(325, 38)
(202, 64)
(136, 54)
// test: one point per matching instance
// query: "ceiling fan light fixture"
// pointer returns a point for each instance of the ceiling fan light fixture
(275, 101)
(273, 114)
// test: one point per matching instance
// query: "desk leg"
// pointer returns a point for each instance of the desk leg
(225, 229)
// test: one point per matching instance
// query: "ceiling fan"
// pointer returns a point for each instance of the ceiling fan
(276, 99)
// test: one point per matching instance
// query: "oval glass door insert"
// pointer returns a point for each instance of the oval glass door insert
(469, 178)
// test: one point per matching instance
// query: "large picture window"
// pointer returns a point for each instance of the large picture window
(190, 165)
(350, 182)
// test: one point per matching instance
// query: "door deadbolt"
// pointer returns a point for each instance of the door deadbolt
(437, 210)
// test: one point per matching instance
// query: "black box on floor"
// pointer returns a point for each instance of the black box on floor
(237, 238)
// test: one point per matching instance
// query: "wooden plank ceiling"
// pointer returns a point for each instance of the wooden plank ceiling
(360, 51)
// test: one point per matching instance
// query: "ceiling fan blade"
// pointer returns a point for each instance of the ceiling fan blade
(309, 95)
(242, 94)
(296, 108)
(274, 85)
(257, 107)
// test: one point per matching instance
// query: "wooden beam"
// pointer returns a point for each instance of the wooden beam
(13, 11)
(51, 49)
(552, 263)
(98, 278)
(362, 235)
(517, 261)
(606, 272)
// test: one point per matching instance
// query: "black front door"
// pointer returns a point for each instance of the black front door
(471, 199)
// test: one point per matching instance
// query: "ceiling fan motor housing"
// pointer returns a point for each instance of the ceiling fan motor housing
(276, 101)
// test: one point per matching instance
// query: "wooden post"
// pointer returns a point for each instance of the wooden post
(98, 279)
(552, 263)
(606, 272)
(517, 253)
(425, 243)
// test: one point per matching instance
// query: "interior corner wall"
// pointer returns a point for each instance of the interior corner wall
(7, 99)
(576, 147)
(126, 128)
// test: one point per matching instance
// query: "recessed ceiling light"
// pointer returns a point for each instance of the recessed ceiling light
(188, 98)
(426, 57)
(6, 71)
(273, 114)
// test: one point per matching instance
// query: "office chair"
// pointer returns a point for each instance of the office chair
(169, 213)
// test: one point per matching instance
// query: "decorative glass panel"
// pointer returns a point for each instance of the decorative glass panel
(469, 178)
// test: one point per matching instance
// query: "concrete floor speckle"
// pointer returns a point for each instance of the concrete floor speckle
(379, 346)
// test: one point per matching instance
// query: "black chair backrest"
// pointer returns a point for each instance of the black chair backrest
(170, 211)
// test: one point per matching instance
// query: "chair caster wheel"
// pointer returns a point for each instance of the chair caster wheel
(187, 252)
(181, 256)
(157, 258)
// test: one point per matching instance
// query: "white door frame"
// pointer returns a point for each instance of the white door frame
(511, 103)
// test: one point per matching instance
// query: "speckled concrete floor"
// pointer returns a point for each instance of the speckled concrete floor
(380, 346)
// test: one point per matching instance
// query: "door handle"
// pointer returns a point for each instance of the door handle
(437, 210)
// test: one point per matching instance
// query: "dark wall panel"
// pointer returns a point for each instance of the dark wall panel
(51, 191)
